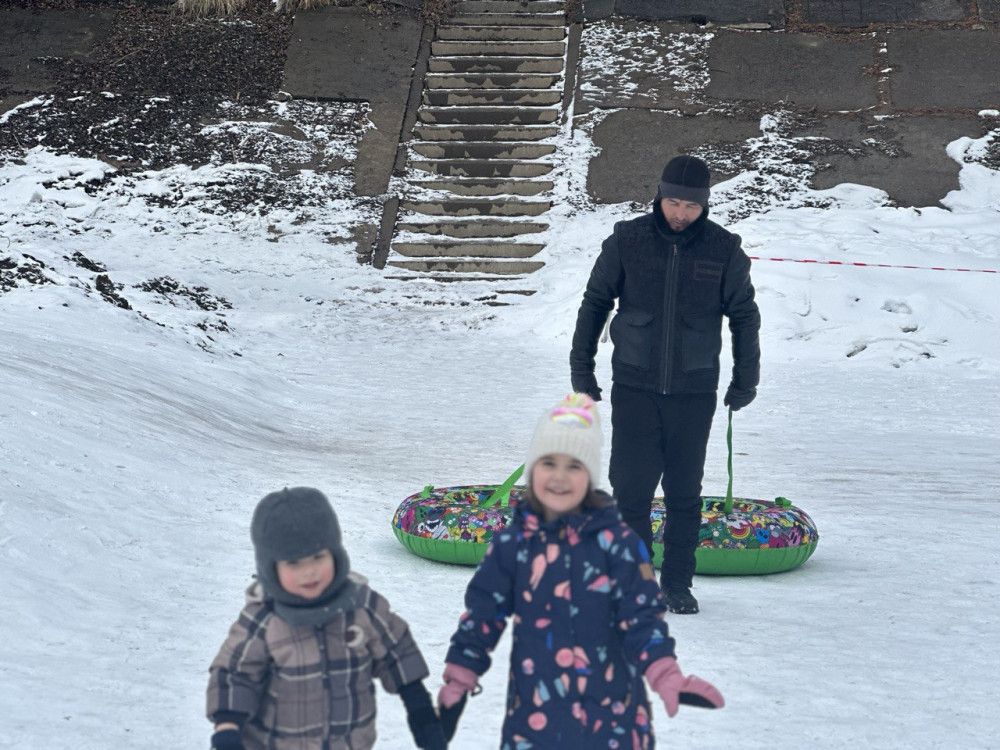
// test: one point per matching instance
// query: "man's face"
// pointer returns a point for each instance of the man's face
(679, 214)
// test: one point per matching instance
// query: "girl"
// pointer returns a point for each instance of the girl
(587, 610)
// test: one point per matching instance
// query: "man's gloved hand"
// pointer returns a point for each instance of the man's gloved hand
(585, 382)
(737, 398)
(227, 739)
(665, 677)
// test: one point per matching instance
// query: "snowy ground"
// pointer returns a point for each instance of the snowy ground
(135, 443)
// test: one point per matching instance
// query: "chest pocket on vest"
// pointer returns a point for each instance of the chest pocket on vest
(701, 287)
(706, 270)
(632, 335)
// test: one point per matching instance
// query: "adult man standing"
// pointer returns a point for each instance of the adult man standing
(675, 275)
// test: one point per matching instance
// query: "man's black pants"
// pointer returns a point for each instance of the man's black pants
(666, 437)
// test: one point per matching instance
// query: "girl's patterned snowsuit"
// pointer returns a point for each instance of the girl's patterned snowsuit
(588, 620)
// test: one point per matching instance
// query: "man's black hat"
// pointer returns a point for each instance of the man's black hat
(685, 178)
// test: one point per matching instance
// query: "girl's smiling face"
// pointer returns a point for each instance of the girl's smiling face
(307, 577)
(560, 483)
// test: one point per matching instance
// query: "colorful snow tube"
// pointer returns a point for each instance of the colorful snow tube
(751, 537)
(457, 524)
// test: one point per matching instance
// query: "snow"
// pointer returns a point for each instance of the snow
(136, 443)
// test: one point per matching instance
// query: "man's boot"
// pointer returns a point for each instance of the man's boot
(680, 538)
(679, 600)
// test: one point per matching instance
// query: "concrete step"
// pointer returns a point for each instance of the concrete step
(509, 19)
(483, 186)
(477, 207)
(494, 299)
(484, 249)
(484, 132)
(483, 150)
(492, 81)
(501, 33)
(478, 64)
(508, 6)
(500, 268)
(488, 115)
(482, 168)
(494, 49)
(474, 228)
(494, 97)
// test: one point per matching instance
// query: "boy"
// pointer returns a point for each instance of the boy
(296, 671)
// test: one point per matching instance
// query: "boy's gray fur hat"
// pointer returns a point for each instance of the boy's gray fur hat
(291, 524)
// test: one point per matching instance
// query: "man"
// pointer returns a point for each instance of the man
(675, 275)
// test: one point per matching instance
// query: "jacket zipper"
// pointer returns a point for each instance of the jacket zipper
(669, 305)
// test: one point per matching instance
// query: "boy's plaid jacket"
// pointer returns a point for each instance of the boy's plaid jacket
(311, 687)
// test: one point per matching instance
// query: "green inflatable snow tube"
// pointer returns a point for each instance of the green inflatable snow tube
(457, 524)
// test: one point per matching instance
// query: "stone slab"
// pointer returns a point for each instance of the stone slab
(954, 68)
(28, 40)
(905, 155)
(771, 12)
(808, 70)
(647, 73)
(348, 54)
(595, 10)
(989, 11)
(864, 12)
(635, 144)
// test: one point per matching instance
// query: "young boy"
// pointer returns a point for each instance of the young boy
(296, 671)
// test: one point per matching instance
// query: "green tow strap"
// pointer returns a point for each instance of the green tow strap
(729, 443)
(502, 493)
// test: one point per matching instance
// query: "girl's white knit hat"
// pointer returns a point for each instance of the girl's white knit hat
(572, 427)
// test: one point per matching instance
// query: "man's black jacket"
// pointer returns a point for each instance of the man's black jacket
(673, 290)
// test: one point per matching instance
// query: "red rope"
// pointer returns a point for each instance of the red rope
(874, 265)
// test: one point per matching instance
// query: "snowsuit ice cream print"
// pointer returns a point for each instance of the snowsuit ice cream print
(586, 608)
(297, 669)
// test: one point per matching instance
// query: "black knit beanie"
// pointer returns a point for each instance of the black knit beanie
(291, 524)
(685, 178)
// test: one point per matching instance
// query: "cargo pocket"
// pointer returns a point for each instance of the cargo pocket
(631, 333)
(701, 342)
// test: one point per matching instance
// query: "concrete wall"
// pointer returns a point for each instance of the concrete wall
(770, 12)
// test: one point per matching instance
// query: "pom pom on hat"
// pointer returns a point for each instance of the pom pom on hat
(572, 427)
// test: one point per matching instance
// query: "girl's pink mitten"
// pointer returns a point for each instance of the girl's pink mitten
(458, 681)
(666, 678)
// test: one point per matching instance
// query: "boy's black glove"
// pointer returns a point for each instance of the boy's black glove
(585, 382)
(227, 739)
(425, 726)
(450, 717)
(737, 398)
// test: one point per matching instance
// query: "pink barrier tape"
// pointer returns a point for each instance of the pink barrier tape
(874, 265)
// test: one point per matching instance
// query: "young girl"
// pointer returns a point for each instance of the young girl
(298, 668)
(586, 606)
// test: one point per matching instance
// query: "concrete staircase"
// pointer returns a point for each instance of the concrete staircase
(482, 148)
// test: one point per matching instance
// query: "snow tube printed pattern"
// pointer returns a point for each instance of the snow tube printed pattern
(457, 524)
(753, 537)
(454, 524)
